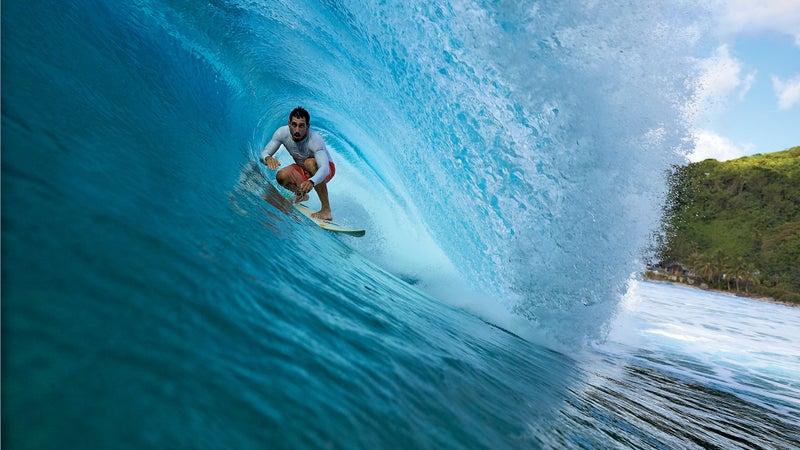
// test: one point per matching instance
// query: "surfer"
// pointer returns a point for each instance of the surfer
(313, 167)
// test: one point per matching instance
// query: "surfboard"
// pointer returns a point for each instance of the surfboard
(327, 224)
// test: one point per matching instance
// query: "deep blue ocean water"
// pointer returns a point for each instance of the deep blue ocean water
(506, 159)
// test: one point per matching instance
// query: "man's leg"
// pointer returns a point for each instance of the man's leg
(325, 209)
(285, 180)
(322, 191)
(291, 177)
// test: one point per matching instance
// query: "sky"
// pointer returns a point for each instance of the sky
(748, 100)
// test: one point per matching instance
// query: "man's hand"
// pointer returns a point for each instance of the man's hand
(272, 163)
(306, 187)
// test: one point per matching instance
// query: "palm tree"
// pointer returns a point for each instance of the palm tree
(738, 270)
(753, 276)
(704, 267)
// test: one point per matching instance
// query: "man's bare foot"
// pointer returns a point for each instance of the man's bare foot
(300, 198)
(322, 215)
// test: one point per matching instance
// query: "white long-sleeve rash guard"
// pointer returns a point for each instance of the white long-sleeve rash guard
(311, 146)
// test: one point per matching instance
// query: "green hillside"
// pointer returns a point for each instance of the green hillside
(736, 224)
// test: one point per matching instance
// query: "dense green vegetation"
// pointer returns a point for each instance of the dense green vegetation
(736, 224)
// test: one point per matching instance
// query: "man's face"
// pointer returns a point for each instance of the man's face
(299, 128)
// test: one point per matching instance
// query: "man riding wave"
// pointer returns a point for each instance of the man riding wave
(313, 167)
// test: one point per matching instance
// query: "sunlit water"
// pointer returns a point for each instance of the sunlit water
(718, 370)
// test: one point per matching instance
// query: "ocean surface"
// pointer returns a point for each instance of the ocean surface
(507, 160)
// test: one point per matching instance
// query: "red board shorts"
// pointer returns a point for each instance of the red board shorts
(298, 173)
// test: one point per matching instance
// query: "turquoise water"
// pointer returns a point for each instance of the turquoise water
(504, 159)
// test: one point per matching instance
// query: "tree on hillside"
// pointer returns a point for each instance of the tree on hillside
(736, 223)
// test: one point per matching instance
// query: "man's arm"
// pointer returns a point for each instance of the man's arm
(323, 166)
(272, 146)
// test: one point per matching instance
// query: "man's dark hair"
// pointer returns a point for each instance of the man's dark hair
(300, 113)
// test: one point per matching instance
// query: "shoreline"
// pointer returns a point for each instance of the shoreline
(746, 295)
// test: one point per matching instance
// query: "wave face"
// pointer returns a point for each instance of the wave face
(518, 150)
(506, 159)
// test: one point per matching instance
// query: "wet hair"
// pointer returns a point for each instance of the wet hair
(300, 113)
